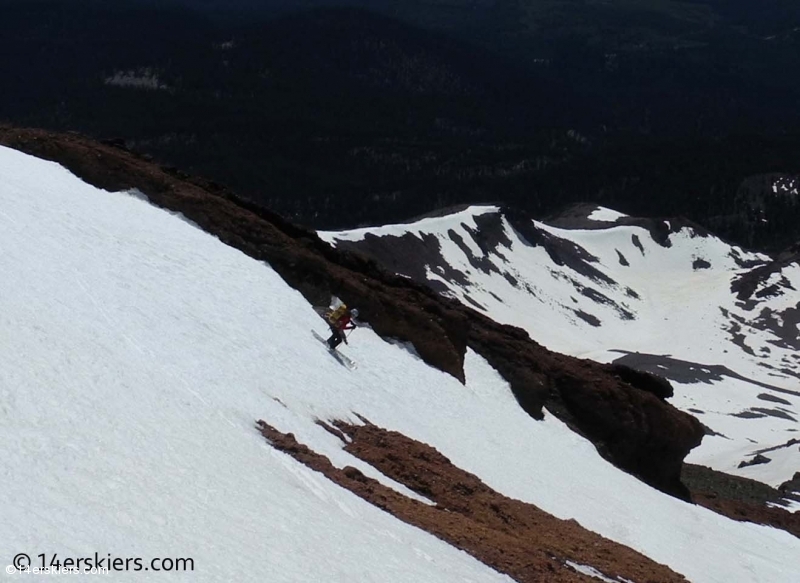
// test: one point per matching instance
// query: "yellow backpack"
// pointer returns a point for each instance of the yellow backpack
(337, 313)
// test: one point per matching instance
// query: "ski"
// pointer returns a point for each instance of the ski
(345, 361)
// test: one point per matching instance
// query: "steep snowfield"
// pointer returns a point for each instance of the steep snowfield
(616, 294)
(136, 352)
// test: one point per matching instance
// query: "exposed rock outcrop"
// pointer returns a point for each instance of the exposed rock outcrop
(741, 499)
(745, 285)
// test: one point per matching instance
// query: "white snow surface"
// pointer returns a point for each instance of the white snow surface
(605, 215)
(672, 303)
(426, 225)
(136, 353)
(594, 573)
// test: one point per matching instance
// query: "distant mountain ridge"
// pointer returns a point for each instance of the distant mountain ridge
(663, 296)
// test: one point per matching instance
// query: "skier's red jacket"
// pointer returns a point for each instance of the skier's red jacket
(345, 322)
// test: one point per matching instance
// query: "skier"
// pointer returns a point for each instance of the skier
(340, 320)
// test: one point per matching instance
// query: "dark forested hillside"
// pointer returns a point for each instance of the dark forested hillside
(342, 116)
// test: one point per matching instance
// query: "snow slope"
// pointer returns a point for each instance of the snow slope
(136, 352)
(610, 291)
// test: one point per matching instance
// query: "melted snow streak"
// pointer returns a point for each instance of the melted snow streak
(591, 572)
(137, 351)
(663, 296)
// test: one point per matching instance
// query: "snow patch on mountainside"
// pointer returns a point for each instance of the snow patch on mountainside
(605, 215)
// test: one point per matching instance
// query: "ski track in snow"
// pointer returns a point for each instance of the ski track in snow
(136, 353)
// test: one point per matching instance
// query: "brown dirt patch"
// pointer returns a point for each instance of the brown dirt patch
(513, 537)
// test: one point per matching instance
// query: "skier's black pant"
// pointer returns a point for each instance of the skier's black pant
(336, 338)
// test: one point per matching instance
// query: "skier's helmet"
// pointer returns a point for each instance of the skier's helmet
(354, 313)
